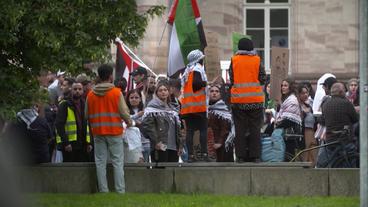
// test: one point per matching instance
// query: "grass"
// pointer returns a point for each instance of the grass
(171, 200)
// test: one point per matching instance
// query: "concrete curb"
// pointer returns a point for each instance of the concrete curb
(231, 180)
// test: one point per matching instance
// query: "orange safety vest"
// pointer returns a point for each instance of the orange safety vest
(192, 102)
(103, 113)
(246, 87)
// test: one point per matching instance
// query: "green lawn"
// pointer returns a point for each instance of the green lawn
(170, 200)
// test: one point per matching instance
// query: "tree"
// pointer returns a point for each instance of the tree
(50, 35)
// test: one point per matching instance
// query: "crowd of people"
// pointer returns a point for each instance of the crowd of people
(98, 120)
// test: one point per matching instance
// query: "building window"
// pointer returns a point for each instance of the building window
(267, 22)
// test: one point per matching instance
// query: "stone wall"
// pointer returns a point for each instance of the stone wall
(325, 38)
(261, 179)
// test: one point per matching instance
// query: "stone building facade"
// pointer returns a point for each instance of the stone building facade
(323, 35)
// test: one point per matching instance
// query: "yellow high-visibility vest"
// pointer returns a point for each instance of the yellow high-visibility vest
(71, 128)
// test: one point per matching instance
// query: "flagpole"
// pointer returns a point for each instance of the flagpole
(159, 43)
(135, 56)
(131, 82)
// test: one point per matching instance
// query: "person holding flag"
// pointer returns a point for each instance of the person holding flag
(194, 103)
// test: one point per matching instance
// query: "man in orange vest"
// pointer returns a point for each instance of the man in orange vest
(247, 97)
(105, 109)
(194, 103)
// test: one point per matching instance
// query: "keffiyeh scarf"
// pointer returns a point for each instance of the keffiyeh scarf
(157, 108)
(197, 67)
(290, 109)
(220, 110)
(28, 116)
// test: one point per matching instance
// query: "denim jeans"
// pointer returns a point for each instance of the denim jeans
(146, 151)
(113, 145)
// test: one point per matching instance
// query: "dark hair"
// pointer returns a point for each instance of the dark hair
(265, 87)
(301, 87)
(165, 84)
(310, 88)
(215, 85)
(162, 83)
(356, 100)
(104, 72)
(291, 89)
(175, 83)
(121, 83)
(267, 96)
(140, 106)
(70, 81)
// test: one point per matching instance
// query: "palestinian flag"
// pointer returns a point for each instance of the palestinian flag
(126, 62)
(187, 34)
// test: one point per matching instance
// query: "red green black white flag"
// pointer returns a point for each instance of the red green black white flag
(187, 34)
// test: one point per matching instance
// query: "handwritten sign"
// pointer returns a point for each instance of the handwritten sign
(279, 70)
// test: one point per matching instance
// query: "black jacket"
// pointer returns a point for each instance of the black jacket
(30, 146)
(61, 121)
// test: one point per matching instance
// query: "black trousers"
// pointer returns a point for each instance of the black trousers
(164, 156)
(223, 156)
(247, 133)
(194, 123)
(76, 155)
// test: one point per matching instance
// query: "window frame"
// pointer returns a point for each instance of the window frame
(267, 7)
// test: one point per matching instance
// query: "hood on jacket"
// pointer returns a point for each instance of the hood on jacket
(102, 88)
(320, 92)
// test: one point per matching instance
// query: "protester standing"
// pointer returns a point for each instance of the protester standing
(71, 126)
(33, 134)
(221, 123)
(353, 93)
(150, 89)
(139, 76)
(194, 103)
(135, 105)
(308, 122)
(175, 93)
(338, 114)
(289, 117)
(247, 99)
(105, 107)
(161, 124)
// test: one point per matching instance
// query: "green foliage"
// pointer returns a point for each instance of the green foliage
(50, 35)
(170, 200)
